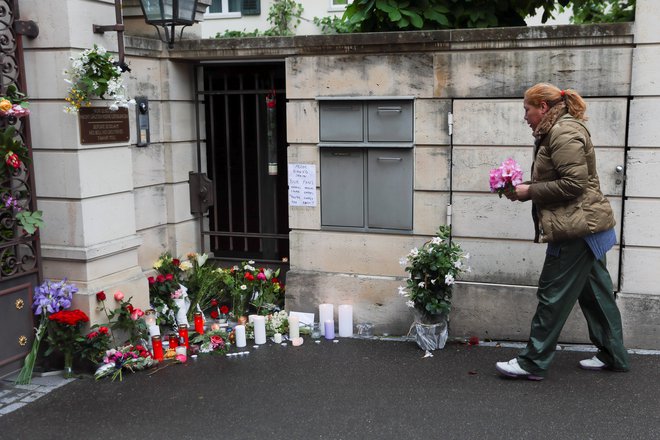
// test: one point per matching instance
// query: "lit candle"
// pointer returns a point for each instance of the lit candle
(326, 311)
(329, 329)
(183, 334)
(345, 321)
(277, 338)
(259, 330)
(157, 345)
(150, 317)
(294, 329)
(174, 340)
(199, 323)
(240, 336)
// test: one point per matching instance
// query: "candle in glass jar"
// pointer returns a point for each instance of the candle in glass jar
(150, 317)
(199, 323)
(174, 340)
(157, 346)
(329, 329)
(259, 330)
(345, 321)
(326, 311)
(240, 336)
(183, 334)
(294, 327)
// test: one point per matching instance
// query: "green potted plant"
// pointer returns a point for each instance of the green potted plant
(433, 270)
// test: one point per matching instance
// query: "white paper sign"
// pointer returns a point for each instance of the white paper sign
(302, 184)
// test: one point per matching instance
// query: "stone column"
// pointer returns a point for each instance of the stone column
(86, 192)
(640, 296)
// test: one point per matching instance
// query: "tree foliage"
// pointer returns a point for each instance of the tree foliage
(398, 15)
(601, 11)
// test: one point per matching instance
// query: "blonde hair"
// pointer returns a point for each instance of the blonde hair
(553, 95)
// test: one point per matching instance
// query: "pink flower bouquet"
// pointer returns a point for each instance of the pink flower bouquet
(506, 177)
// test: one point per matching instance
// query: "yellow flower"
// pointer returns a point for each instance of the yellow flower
(158, 263)
(5, 105)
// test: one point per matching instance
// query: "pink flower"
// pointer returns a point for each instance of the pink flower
(136, 314)
(261, 276)
(181, 358)
(506, 177)
(177, 294)
(119, 296)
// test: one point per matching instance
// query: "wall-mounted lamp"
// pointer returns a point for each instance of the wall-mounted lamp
(168, 14)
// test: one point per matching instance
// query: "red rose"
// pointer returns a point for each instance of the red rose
(160, 278)
(100, 296)
(214, 303)
(224, 310)
(151, 280)
(214, 314)
(103, 330)
(169, 277)
(176, 262)
(92, 335)
(129, 307)
(249, 276)
(275, 280)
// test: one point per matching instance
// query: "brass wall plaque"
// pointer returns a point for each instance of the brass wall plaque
(100, 125)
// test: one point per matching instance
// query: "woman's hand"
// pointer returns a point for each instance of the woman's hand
(519, 193)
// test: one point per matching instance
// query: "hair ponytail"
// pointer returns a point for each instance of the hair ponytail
(551, 94)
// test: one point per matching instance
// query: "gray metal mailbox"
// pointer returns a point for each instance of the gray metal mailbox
(342, 187)
(390, 183)
(366, 164)
(390, 121)
(341, 121)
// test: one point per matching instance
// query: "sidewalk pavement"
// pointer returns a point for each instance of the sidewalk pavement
(350, 389)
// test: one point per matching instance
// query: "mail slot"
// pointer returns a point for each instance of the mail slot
(341, 121)
(390, 121)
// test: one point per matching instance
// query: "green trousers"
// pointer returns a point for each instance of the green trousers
(575, 275)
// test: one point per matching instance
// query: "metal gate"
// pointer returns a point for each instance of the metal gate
(20, 266)
(246, 162)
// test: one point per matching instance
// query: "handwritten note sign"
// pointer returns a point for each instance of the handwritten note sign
(302, 184)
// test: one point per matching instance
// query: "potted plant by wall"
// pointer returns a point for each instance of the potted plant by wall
(432, 270)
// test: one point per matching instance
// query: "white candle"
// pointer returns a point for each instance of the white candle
(277, 338)
(240, 336)
(294, 329)
(251, 319)
(259, 330)
(345, 312)
(326, 312)
(154, 330)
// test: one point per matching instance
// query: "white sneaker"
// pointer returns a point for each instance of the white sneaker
(512, 369)
(592, 364)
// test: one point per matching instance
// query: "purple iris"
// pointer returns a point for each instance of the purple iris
(52, 297)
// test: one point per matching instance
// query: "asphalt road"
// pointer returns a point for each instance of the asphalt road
(353, 389)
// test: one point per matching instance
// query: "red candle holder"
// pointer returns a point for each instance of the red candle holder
(183, 333)
(174, 340)
(157, 346)
(199, 323)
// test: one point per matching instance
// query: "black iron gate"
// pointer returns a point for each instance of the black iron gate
(19, 251)
(246, 160)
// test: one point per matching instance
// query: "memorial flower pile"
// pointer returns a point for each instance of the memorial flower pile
(506, 177)
(213, 341)
(97, 342)
(95, 73)
(14, 104)
(433, 270)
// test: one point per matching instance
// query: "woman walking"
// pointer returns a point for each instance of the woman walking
(573, 216)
